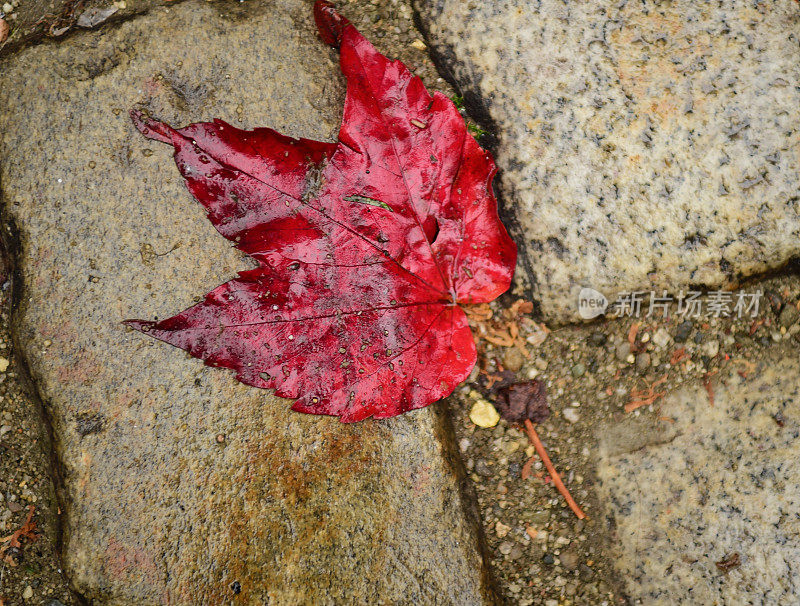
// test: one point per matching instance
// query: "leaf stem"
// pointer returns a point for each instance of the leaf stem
(537, 444)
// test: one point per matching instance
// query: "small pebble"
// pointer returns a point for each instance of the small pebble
(515, 553)
(643, 361)
(569, 559)
(483, 414)
(711, 348)
(578, 370)
(661, 338)
(506, 547)
(510, 447)
(623, 351)
(513, 359)
(775, 301)
(537, 337)
(3, 364)
(598, 339)
(548, 559)
(27, 594)
(788, 316)
(571, 414)
(571, 588)
(682, 331)
(539, 518)
(482, 468)
(501, 530)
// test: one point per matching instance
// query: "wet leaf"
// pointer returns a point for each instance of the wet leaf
(366, 247)
(520, 401)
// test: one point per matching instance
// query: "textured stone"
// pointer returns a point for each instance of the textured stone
(180, 485)
(714, 482)
(642, 144)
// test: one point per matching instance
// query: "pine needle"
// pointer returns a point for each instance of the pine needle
(537, 444)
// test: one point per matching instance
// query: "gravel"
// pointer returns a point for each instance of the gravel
(550, 538)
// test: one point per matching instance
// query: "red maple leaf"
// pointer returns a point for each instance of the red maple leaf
(365, 247)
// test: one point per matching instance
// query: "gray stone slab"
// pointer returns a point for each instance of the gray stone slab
(642, 144)
(182, 486)
(715, 481)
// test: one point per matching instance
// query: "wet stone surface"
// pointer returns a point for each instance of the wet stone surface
(180, 484)
(642, 144)
(705, 498)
